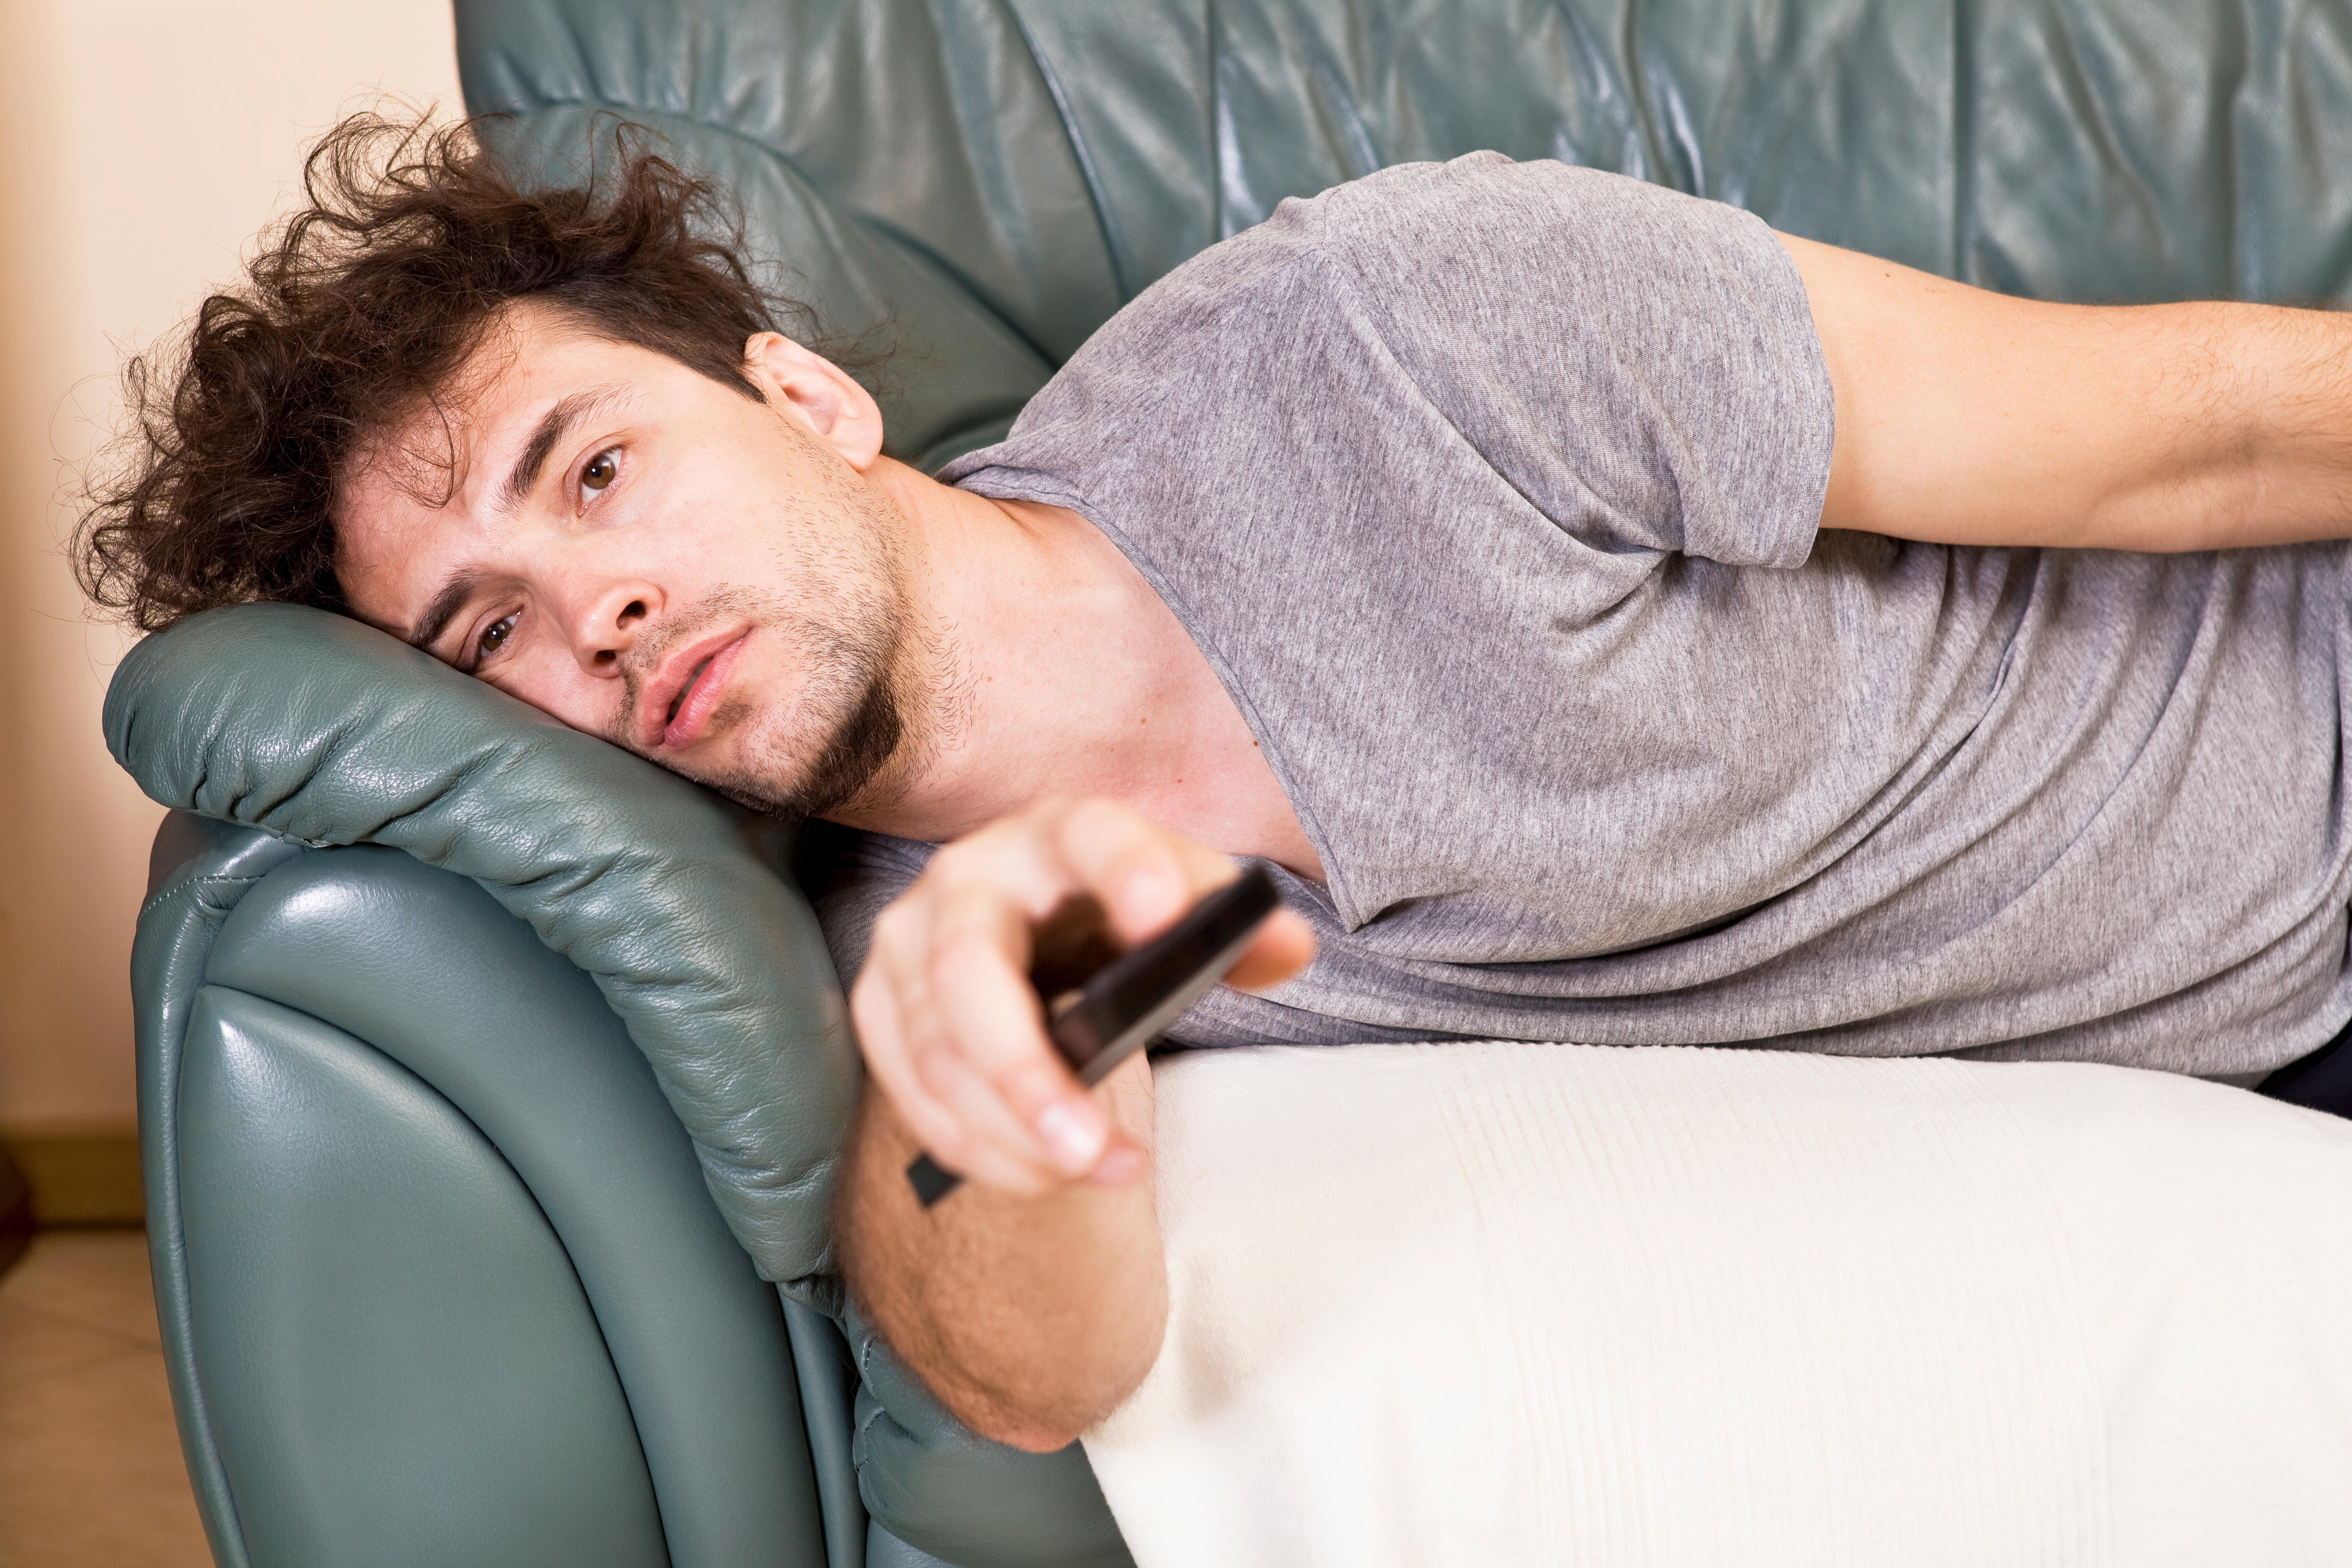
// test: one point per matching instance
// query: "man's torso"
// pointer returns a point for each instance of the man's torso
(1490, 492)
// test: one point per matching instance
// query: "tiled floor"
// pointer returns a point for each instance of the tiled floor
(90, 1461)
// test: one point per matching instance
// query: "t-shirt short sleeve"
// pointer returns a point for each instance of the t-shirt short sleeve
(1642, 364)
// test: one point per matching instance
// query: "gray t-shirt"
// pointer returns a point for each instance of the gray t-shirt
(1491, 492)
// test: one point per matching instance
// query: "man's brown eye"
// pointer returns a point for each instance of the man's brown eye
(494, 637)
(600, 471)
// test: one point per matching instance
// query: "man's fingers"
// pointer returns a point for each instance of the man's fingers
(998, 1026)
(969, 1024)
(874, 1011)
(951, 1110)
(994, 1146)
(1143, 877)
(950, 1021)
(1122, 1161)
(1282, 946)
(1146, 878)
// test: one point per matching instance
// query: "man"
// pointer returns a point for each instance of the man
(1613, 620)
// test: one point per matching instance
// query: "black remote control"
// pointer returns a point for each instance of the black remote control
(1125, 1004)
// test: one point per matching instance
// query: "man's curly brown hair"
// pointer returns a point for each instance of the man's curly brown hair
(355, 315)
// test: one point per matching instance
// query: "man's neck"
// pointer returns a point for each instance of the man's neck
(1048, 666)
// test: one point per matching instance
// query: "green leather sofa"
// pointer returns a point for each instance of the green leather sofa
(490, 1079)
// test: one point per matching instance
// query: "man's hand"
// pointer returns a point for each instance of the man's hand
(1033, 1302)
(953, 1030)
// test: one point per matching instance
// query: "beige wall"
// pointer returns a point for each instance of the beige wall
(143, 144)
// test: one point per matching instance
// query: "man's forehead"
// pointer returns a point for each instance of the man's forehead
(527, 356)
(411, 499)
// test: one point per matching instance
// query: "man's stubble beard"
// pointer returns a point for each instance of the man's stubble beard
(856, 728)
(881, 696)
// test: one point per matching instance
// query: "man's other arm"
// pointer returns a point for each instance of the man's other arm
(1969, 417)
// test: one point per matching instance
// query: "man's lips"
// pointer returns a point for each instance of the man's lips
(677, 704)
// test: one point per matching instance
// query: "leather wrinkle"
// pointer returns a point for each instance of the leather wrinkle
(922, 428)
(1121, 275)
(1223, 153)
(2095, 111)
(1960, 263)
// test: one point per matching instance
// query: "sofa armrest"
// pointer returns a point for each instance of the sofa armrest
(357, 1022)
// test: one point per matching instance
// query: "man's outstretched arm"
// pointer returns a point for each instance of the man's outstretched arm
(1969, 417)
(1029, 1317)
(1032, 1299)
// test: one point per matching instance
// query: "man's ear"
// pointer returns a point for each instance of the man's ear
(824, 396)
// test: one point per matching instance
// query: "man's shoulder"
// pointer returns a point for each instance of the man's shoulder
(1192, 348)
(1278, 266)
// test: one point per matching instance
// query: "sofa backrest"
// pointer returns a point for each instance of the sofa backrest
(994, 178)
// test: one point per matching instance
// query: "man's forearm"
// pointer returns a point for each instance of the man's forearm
(1030, 1318)
(1969, 417)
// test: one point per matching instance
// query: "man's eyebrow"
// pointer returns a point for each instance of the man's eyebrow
(551, 431)
(445, 604)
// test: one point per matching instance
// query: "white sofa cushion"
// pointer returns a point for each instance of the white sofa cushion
(1503, 1303)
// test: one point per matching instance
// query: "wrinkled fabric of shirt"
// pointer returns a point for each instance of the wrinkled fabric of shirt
(1491, 492)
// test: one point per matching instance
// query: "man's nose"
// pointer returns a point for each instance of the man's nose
(611, 625)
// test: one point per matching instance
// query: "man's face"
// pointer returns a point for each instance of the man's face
(648, 555)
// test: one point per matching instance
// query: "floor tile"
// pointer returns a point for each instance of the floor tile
(35, 1346)
(91, 1474)
(95, 1278)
